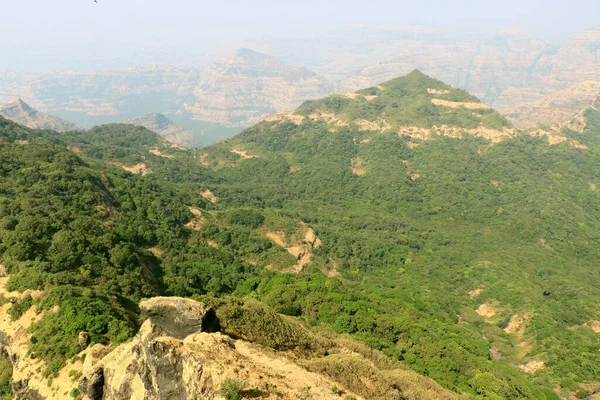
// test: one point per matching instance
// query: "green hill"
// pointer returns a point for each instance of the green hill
(437, 229)
(408, 216)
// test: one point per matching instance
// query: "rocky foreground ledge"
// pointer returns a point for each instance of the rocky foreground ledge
(179, 353)
(236, 349)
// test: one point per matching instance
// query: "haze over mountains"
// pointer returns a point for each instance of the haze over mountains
(300, 200)
(245, 86)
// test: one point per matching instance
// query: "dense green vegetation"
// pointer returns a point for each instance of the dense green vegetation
(407, 101)
(5, 376)
(409, 250)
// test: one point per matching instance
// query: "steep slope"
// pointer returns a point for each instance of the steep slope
(242, 88)
(166, 128)
(21, 113)
(455, 253)
(416, 106)
(576, 60)
(557, 108)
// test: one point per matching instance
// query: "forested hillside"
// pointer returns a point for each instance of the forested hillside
(408, 215)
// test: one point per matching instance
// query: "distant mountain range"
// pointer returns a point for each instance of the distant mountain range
(502, 70)
(245, 86)
(557, 108)
(20, 112)
(230, 95)
(240, 89)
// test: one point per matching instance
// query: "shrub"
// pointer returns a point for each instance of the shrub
(19, 308)
(231, 389)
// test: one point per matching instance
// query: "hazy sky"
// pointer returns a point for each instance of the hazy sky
(41, 34)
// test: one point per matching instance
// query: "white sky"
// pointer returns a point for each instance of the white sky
(42, 34)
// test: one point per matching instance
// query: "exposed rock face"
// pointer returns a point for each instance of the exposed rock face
(245, 86)
(84, 340)
(166, 128)
(179, 317)
(156, 364)
(482, 67)
(177, 355)
(557, 108)
(577, 60)
(19, 112)
(173, 358)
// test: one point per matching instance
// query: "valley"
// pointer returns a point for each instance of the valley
(405, 235)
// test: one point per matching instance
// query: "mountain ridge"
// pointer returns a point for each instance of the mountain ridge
(20, 112)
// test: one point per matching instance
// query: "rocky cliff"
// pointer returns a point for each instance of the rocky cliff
(245, 86)
(503, 71)
(557, 108)
(575, 61)
(483, 67)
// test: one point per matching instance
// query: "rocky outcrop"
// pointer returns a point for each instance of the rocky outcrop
(166, 128)
(156, 364)
(178, 355)
(19, 112)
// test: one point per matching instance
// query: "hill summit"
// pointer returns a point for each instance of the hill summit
(414, 105)
(21, 113)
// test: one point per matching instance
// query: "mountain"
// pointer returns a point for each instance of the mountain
(503, 70)
(166, 128)
(96, 97)
(212, 103)
(399, 105)
(465, 231)
(575, 61)
(245, 86)
(557, 108)
(19, 112)
(484, 67)
(402, 241)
